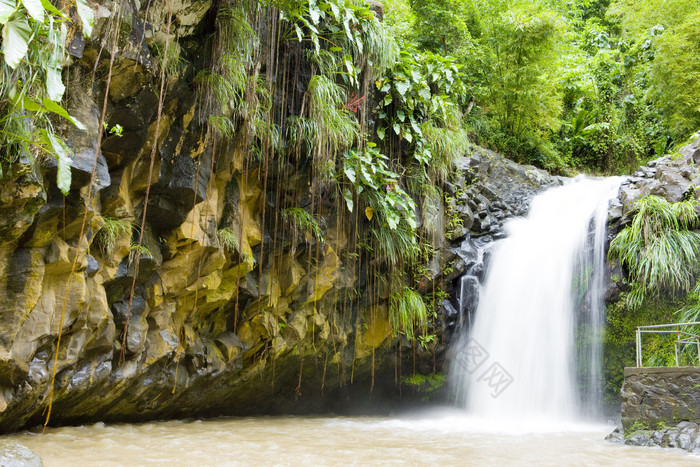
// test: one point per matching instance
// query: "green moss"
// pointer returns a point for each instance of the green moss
(425, 385)
(637, 426)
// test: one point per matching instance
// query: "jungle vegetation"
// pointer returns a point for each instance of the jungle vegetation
(589, 85)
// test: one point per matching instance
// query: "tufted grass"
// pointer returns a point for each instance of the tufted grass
(112, 230)
(407, 311)
(659, 249)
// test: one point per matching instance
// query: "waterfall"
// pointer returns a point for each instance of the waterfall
(534, 348)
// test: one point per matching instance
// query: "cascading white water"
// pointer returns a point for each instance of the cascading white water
(521, 359)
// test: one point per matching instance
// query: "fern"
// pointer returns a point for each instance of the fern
(302, 220)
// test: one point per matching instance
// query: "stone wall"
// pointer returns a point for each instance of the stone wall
(656, 397)
(661, 408)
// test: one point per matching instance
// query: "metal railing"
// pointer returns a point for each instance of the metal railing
(682, 338)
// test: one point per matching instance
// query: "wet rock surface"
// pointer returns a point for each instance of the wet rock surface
(13, 454)
(685, 435)
(672, 177)
(490, 190)
(661, 407)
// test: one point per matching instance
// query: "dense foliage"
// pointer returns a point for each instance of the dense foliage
(31, 88)
(593, 85)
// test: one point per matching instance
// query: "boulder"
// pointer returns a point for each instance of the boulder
(13, 454)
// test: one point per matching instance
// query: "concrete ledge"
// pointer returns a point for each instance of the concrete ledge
(655, 370)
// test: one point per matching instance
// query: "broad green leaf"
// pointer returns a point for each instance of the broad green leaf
(401, 114)
(348, 199)
(366, 176)
(335, 10)
(387, 99)
(346, 26)
(408, 136)
(411, 220)
(392, 218)
(424, 93)
(63, 158)
(381, 132)
(52, 9)
(396, 127)
(350, 67)
(87, 16)
(51, 106)
(7, 7)
(317, 46)
(315, 13)
(78, 124)
(358, 42)
(350, 173)
(402, 87)
(15, 40)
(54, 84)
(35, 9)
(415, 75)
(30, 104)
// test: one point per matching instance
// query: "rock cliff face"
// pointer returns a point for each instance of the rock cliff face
(227, 307)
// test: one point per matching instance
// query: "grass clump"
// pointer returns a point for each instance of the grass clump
(112, 230)
(303, 221)
(407, 311)
(659, 249)
(336, 128)
(228, 239)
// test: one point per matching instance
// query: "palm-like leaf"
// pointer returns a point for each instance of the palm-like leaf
(659, 249)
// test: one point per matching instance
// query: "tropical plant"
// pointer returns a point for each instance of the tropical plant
(369, 173)
(111, 231)
(659, 249)
(228, 238)
(33, 54)
(301, 220)
(415, 108)
(138, 250)
(335, 126)
(407, 311)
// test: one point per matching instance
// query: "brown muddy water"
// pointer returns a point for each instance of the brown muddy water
(435, 438)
